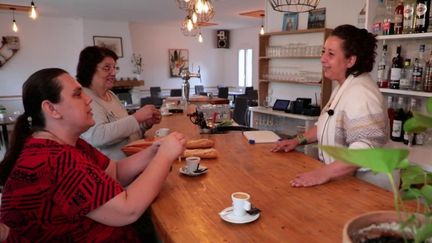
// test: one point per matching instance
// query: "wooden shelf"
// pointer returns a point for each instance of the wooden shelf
(292, 82)
(289, 57)
(406, 92)
(282, 38)
(127, 84)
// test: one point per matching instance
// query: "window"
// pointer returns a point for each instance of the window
(245, 67)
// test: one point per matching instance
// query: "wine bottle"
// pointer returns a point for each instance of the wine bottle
(398, 121)
(427, 84)
(377, 23)
(382, 78)
(395, 71)
(398, 18)
(390, 112)
(409, 137)
(418, 70)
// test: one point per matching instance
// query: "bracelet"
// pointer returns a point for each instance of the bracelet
(301, 139)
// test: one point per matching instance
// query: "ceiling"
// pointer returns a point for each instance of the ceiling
(164, 12)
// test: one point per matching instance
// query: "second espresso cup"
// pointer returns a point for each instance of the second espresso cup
(192, 164)
(162, 132)
(240, 202)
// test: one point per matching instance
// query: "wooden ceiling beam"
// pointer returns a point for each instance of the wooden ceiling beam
(20, 8)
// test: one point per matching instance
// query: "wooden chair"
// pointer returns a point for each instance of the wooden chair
(199, 89)
(156, 101)
(155, 92)
(176, 92)
(223, 92)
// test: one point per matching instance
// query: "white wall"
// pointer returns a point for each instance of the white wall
(218, 66)
(47, 42)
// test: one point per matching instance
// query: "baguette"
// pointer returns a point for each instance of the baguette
(210, 153)
(199, 143)
(136, 146)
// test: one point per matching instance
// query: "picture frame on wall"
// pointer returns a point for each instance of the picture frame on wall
(178, 61)
(317, 18)
(113, 43)
(290, 21)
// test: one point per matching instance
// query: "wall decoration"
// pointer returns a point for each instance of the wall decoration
(113, 43)
(290, 21)
(9, 46)
(178, 61)
(317, 18)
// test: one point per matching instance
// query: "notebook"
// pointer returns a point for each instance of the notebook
(261, 136)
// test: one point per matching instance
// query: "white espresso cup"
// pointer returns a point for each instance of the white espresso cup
(192, 164)
(240, 202)
(162, 132)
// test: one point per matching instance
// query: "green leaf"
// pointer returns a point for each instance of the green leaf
(423, 233)
(429, 105)
(384, 160)
(411, 194)
(423, 119)
(412, 125)
(413, 175)
(426, 192)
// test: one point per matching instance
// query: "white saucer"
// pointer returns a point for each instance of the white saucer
(166, 114)
(230, 217)
(184, 171)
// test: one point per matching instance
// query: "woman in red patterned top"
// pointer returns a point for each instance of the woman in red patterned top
(57, 187)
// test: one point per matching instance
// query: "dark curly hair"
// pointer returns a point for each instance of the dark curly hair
(360, 43)
(89, 58)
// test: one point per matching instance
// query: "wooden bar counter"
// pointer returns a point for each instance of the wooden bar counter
(187, 208)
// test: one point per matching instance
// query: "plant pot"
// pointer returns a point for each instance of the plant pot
(383, 223)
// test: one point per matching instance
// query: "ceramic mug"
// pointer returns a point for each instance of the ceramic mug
(192, 164)
(162, 132)
(241, 204)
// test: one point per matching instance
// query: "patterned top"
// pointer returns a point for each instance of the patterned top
(51, 190)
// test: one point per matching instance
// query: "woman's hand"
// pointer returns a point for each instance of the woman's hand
(172, 145)
(285, 145)
(145, 113)
(311, 178)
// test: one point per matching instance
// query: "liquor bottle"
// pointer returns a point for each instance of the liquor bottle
(398, 18)
(418, 70)
(377, 23)
(382, 78)
(409, 138)
(390, 112)
(422, 16)
(395, 71)
(361, 18)
(409, 16)
(398, 121)
(406, 75)
(427, 84)
(388, 24)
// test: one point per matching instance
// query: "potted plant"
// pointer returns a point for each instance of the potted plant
(407, 226)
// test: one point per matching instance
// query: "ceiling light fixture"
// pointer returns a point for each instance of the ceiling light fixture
(297, 6)
(33, 14)
(14, 25)
(262, 32)
(200, 38)
(188, 28)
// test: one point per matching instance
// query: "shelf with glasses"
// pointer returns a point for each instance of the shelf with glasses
(406, 92)
(291, 81)
(405, 36)
(289, 57)
(283, 53)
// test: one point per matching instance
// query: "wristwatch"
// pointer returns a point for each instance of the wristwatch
(301, 139)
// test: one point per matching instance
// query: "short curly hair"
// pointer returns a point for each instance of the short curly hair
(360, 43)
(89, 58)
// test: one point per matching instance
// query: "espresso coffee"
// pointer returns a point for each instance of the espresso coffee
(240, 196)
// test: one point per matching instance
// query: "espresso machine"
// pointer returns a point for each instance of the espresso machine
(186, 75)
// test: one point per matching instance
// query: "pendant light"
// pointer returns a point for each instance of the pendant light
(200, 38)
(297, 6)
(33, 14)
(262, 32)
(14, 25)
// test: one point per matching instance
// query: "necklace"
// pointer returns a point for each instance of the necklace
(51, 136)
